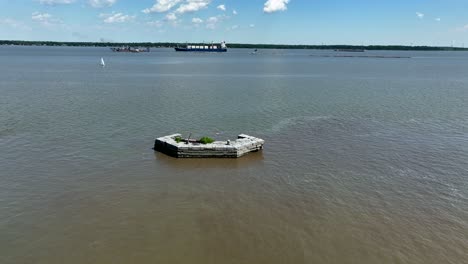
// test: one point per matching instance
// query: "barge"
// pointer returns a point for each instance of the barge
(350, 50)
(130, 49)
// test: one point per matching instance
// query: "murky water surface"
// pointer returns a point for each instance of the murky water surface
(366, 159)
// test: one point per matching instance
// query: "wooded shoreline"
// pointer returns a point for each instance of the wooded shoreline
(231, 45)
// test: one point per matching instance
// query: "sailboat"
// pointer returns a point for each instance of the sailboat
(103, 64)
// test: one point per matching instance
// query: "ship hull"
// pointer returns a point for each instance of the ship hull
(200, 50)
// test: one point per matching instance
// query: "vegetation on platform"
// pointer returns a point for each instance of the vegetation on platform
(206, 140)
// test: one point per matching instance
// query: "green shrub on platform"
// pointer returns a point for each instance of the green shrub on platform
(178, 139)
(206, 140)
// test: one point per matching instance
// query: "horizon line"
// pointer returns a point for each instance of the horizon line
(233, 43)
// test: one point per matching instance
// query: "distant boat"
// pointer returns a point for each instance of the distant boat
(254, 52)
(204, 48)
(103, 64)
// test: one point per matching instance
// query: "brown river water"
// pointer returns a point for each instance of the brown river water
(365, 161)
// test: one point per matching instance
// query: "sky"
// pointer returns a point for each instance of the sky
(357, 22)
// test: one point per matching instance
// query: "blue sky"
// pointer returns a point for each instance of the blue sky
(368, 22)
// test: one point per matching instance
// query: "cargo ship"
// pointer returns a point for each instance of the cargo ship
(204, 48)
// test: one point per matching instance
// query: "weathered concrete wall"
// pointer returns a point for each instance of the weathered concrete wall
(218, 149)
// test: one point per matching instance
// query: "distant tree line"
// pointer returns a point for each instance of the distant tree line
(86, 44)
(231, 45)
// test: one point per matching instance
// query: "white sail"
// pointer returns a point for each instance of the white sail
(103, 64)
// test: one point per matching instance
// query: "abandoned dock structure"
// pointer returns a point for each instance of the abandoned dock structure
(175, 146)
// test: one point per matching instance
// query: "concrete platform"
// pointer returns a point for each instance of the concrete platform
(219, 149)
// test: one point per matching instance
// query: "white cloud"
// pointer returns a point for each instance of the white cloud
(46, 20)
(56, 2)
(234, 27)
(234, 12)
(162, 6)
(212, 22)
(420, 15)
(171, 17)
(192, 6)
(197, 20)
(41, 17)
(275, 5)
(183, 6)
(116, 18)
(221, 7)
(438, 19)
(101, 3)
(251, 25)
